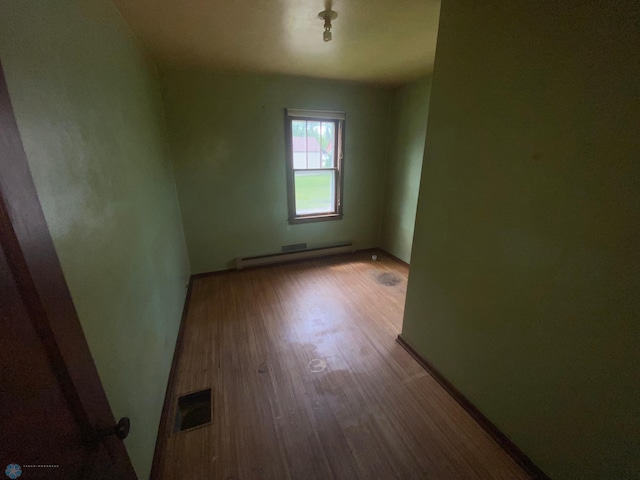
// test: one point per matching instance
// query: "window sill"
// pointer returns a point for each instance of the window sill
(315, 218)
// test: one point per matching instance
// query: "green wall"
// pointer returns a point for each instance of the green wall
(227, 139)
(89, 111)
(525, 270)
(409, 111)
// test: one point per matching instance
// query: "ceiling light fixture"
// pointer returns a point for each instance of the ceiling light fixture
(327, 16)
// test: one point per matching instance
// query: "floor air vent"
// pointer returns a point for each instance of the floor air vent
(193, 410)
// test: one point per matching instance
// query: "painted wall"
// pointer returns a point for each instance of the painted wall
(525, 269)
(227, 138)
(89, 111)
(409, 111)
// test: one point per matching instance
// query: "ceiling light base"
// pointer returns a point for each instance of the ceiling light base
(327, 16)
(330, 14)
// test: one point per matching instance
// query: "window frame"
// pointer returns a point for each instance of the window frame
(338, 119)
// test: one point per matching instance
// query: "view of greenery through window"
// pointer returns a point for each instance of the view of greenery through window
(314, 192)
(313, 145)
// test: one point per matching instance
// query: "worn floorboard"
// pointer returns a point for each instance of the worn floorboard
(309, 383)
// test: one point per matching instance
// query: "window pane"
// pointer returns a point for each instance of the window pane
(299, 143)
(327, 144)
(313, 144)
(315, 192)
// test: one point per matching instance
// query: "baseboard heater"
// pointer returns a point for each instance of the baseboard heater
(291, 256)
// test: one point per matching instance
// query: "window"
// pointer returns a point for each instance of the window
(314, 164)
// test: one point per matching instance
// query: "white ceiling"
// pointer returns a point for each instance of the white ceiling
(378, 41)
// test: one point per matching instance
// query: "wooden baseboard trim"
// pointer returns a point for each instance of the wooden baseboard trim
(367, 250)
(500, 438)
(195, 276)
(164, 425)
(393, 257)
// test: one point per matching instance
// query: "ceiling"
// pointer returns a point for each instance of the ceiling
(377, 41)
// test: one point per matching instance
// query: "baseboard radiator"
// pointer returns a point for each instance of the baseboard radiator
(291, 256)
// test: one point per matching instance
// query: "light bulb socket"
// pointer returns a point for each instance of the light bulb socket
(327, 16)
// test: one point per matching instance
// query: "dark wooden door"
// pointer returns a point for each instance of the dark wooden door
(55, 420)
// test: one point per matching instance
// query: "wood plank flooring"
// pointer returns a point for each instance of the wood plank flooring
(308, 382)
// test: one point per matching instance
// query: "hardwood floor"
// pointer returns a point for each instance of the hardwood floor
(308, 382)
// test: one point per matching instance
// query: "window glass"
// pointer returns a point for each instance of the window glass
(314, 165)
(315, 191)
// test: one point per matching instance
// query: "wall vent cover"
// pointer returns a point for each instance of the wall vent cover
(294, 247)
(193, 410)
